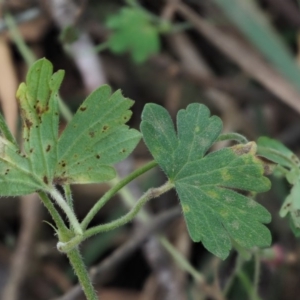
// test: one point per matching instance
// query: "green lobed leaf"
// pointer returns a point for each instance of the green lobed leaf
(277, 152)
(15, 174)
(96, 138)
(208, 186)
(38, 99)
(134, 32)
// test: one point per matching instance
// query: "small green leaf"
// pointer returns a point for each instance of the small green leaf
(96, 138)
(5, 132)
(277, 152)
(208, 185)
(291, 205)
(38, 99)
(134, 32)
(15, 175)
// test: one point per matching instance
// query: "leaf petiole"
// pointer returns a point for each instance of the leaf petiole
(150, 194)
(67, 210)
(107, 196)
(232, 136)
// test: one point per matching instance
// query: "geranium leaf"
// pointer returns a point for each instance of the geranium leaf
(208, 186)
(38, 99)
(134, 32)
(96, 138)
(16, 177)
(279, 153)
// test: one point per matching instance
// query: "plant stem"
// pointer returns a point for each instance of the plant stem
(103, 200)
(101, 47)
(257, 269)
(25, 52)
(67, 210)
(82, 274)
(181, 260)
(68, 195)
(64, 110)
(247, 285)
(232, 136)
(238, 266)
(150, 194)
(145, 218)
(54, 213)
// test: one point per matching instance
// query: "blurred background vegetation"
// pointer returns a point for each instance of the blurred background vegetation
(238, 57)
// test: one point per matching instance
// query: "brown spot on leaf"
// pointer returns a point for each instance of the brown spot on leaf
(41, 110)
(105, 128)
(82, 108)
(6, 171)
(267, 164)
(245, 148)
(123, 150)
(45, 179)
(92, 134)
(98, 156)
(60, 180)
(28, 123)
(48, 148)
(31, 150)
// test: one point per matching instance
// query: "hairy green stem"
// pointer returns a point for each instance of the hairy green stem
(68, 195)
(82, 274)
(144, 217)
(150, 194)
(61, 226)
(107, 196)
(233, 136)
(67, 210)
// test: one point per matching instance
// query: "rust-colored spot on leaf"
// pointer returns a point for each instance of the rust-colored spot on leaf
(45, 179)
(28, 123)
(82, 108)
(48, 148)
